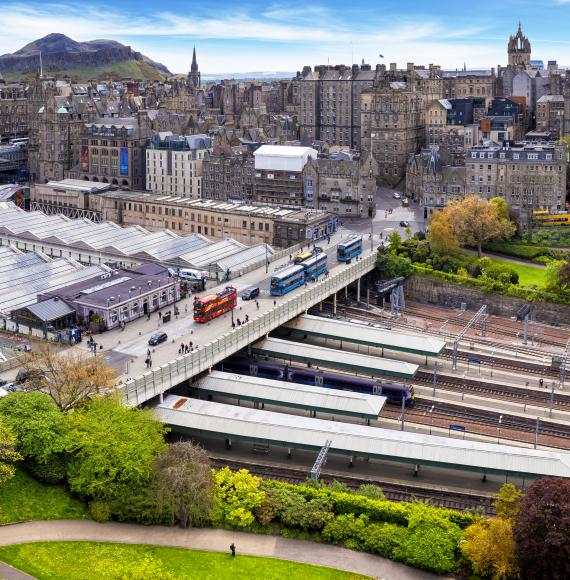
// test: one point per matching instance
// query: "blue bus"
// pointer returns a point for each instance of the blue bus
(287, 280)
(315, 266)
(349, 248)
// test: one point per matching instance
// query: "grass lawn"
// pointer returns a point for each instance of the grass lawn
(95, 560)
(528, 274)
(23, 498)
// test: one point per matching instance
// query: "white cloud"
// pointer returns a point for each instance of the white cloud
(283, 37)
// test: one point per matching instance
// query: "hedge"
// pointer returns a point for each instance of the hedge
(489, 286)
(522, 251)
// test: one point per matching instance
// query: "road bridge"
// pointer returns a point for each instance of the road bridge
(217, 340)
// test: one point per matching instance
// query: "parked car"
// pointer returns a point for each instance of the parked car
(250, 294)
(404, 224)
(396, 195)
(157, 338)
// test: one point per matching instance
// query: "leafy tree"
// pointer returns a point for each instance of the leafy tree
(8, 453)
(394, 242)
(542, 530)
(441, 236)
(490, 548)
(557, 275)
(503, 207)
(475, 221)
(392, 266)
(508, 501)
(236, 495)
(408, 231)
(112, 447)
(37, 422)
(185, 483)
(70, 379)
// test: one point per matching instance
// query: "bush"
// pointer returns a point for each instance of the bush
(100, 511)
(384, 539)
(345, 527)
(391, 266)
(371, 491)
(52, 471)
(523, 251)
(140, 506)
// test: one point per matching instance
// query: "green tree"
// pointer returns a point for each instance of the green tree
(490, 548)
(37, 422)
(394, 242)
(8, 453)
(503, 207)
(508, 501)
(185, 483)
(392, 266)
(112, 447)
(476, 221)
(557, 275)
(236, 495)
(371, 491)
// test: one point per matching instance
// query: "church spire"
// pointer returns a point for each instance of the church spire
(194, 77)
(195, 63)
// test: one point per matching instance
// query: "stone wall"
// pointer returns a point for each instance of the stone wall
(438, 292)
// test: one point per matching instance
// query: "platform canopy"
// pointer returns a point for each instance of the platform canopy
(365, 334)
(310, 397)
(201, 418)
(329, 357)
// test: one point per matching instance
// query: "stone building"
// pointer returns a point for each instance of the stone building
(113, 151)
(469, 83)
(433, 182)
(550, 114)
(13, 111)
(228, 177)
(194, 76)
(392, 127)
(174, 163)
(529, 176)
(519, 50)
(246, 223)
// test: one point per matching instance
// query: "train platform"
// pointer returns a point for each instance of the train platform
(331, 329)
(329, 357)
(304, 397)
(207, 419)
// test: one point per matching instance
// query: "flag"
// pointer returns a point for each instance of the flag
(381, 55)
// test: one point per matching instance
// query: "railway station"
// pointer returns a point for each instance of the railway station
(328, 357)
(202, 418)
(343, 331)
(307, 397)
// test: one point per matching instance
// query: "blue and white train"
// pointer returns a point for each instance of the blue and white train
(349, 248)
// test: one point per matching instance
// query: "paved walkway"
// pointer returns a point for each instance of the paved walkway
(9, 573)
(211, 540)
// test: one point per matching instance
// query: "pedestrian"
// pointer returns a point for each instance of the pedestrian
(160, 316)
(149, 363)
(186, 308)
(180, 351)
(190, 345)
(238, 322)
(257, 304)
(246, 318)
(274, 302)
(233, 324)
(541, 382)
(233, 549)
(148, 352)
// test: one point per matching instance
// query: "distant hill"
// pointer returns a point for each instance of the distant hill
(63, 56)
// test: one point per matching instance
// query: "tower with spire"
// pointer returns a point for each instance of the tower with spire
(194, 77)
(519, 49)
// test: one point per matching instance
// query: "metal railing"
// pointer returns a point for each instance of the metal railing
(163, 378)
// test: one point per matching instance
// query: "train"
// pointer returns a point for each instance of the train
(294, 276)
(349, 248)
(210, 307)
(546, 218)
(394, 392)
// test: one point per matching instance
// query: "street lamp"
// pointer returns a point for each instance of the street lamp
(431, 417)
(499, 428)
(435, 367)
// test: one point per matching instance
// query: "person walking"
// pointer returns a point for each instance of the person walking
(159, 316)
(257, 304)
(233, 549)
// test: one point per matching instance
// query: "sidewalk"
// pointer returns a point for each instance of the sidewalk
(212, 540)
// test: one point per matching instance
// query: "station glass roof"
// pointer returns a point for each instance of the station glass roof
(202, 417)
(291, 394)
(334, 358)
(367, 335)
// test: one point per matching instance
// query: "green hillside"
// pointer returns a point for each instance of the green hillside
(134, 69)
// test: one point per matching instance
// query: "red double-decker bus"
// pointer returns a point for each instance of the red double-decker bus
(215, 305)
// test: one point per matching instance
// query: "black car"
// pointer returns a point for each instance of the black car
(157, 338)
(404, 224)
(250, 294)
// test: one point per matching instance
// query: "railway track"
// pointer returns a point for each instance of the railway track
(510, 392)
(450, 499)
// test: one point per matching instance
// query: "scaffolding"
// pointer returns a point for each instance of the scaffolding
(320, 460)
(480, 316)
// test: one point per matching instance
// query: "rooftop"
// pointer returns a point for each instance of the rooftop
(78, 185)
(284, 151)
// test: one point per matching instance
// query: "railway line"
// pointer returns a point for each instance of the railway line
(450, 499)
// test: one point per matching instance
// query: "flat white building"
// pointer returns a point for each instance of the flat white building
(174, 164)
(283, 157)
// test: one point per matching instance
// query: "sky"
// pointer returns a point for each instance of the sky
(249, 35)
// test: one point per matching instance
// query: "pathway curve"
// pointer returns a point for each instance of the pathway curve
(212, 540)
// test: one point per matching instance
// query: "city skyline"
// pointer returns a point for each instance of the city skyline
(284, 37)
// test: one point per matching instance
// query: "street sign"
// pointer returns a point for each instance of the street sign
(457, 428)
(474, 361)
